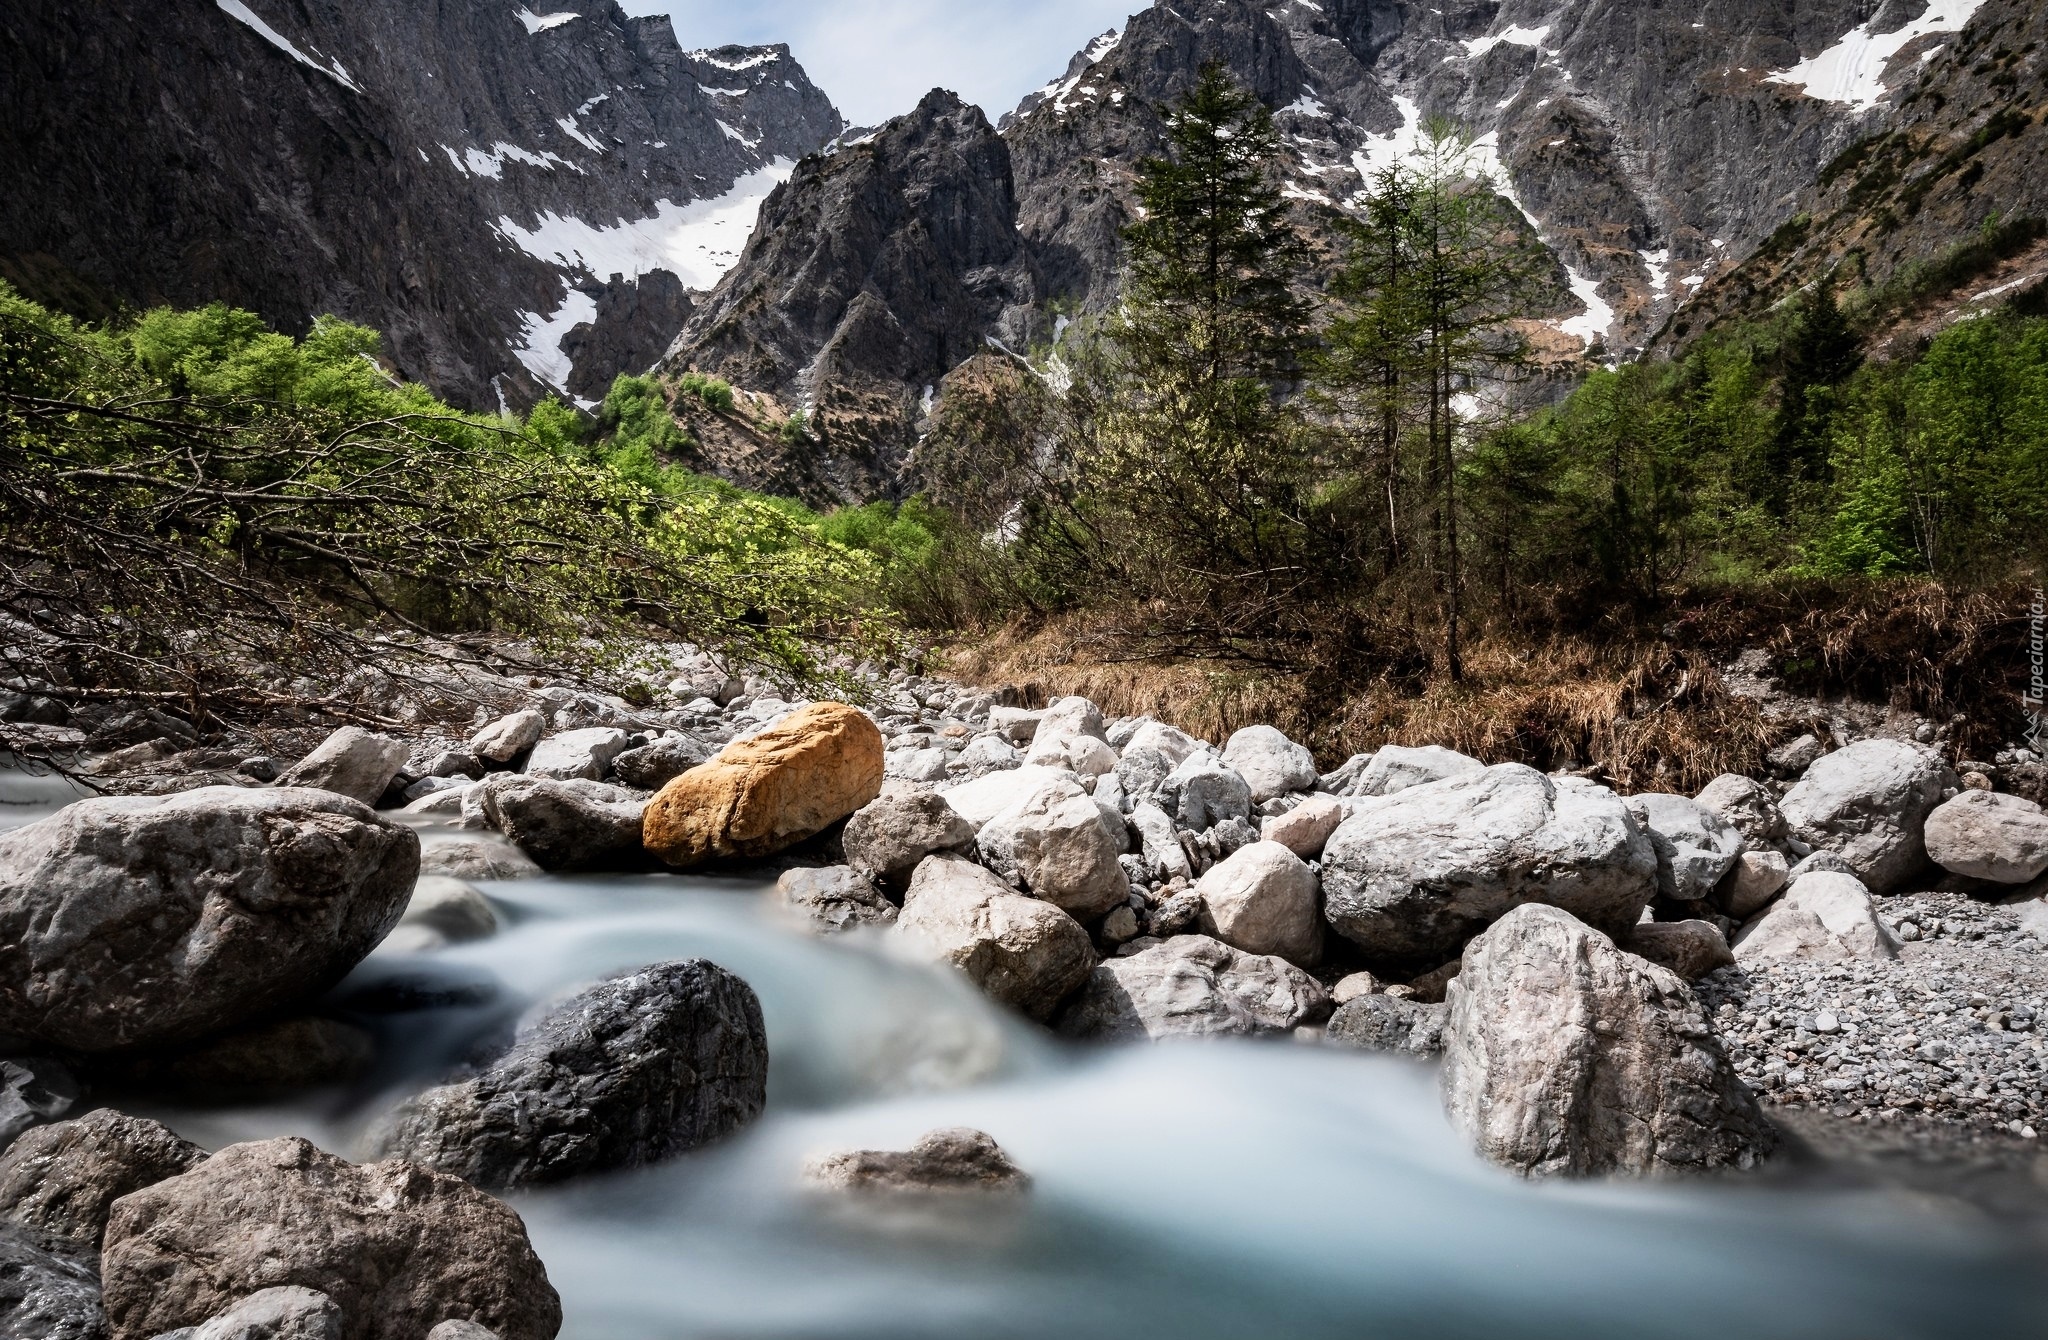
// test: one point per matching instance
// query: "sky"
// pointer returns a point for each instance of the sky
(876, 58)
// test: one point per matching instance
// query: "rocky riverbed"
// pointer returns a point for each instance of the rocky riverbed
(1845, 956)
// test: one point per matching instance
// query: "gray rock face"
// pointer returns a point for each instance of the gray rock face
(653, 766)
(508, 737)
(889, 835)
(1193, 986)
(1058, 845)
(952, 1161)
(587, 754)
(33, 1090)
(130, 921)
(833, 898)
(629, 1072)
(48, 1289)
(1411, 876)
(63, 1180)
(1986, 835)
(1695, 846)
(1868, 803)
(1263, 899)
(561, 824)
(1394, 768)
(1203, 792)
(1824, 917)
(1690, 949)
(287, 1312)
(1566, 1056)
(351, 762)
(1748, 805)
(1022, 952)
(450, 134)
(1270, 763)
(1379, 1023)
(397, 1247)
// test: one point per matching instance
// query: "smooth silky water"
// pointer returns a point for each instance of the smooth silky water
(1200, 1189)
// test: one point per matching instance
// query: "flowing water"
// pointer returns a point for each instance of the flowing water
(1196, 1190)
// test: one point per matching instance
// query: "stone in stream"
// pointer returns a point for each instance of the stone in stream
(1380, 1023)
(49, 1288)
(983, 798)
(768, 792)
(1263, 899)
(889, 835)
(1868, 803)
(1270, 763)
(1824, 917)
(1193, 986)
(63, 1180)
(476, 858)
(833, 898)
(625, 1073)
(653, 766)
(397, 1247)
(1058, 844)
(442, 912)
(1695, 846)
(1564, 1055)
(953, 1161)
(1411, 876)
(130, 922)
(1986, 835)
(563, 824)
(585, 754)
(351, 762)
(1022, 952)
(508, 737)
(286, 1312)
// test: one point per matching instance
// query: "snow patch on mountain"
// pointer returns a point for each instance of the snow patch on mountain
(540, 23)
(1517, 36)
(1852, 70)
(698, 242)
(540, 353)
(241, 13)
(1592, 325)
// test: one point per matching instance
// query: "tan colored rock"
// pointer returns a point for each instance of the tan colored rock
(1692, 949)
(1754, 879)
(1352, 987)
(768, 792)
(64, 1179)
(1304, 829)
(1263, 899)
(1986, 835)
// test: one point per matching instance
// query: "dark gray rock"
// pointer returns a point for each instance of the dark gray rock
(63, 1180)
(561, 824)
(653, 766)
(889, 835)
(48, 1289)
(33, 1090)
(629, 1072)
(833, 898)
(186, 915)
(1380, 1023)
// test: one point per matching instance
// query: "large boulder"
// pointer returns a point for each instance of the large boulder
(1394, 768)
(1986, 835)
(351, 762)
(770, 791)
(1193, 986)
(1142, 772)
(1824, 917)
(889, 835)
(983, 798)
(1270, 763)
(1695, 846)
(63, 1180)
(628, 1072)
(562, 824)
(954, 1161)
(1748, 805)
(833, 898)
(586, 753)
(1058, 845)
(398, 1247)
(1203, 792)
(1022, 952)
(131, 921)
(1410, 877)
(508, 737)
(1565, 1055)
(49, 1289)
(1379, 1023)
(1263, 899)
(653, 766)
(1869, 803)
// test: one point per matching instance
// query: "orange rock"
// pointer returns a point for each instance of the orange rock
(765, 794)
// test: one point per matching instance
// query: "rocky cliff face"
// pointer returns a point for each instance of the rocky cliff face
(498, 189)
(1652, 144)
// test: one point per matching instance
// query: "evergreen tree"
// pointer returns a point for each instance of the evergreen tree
(1821, 354)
